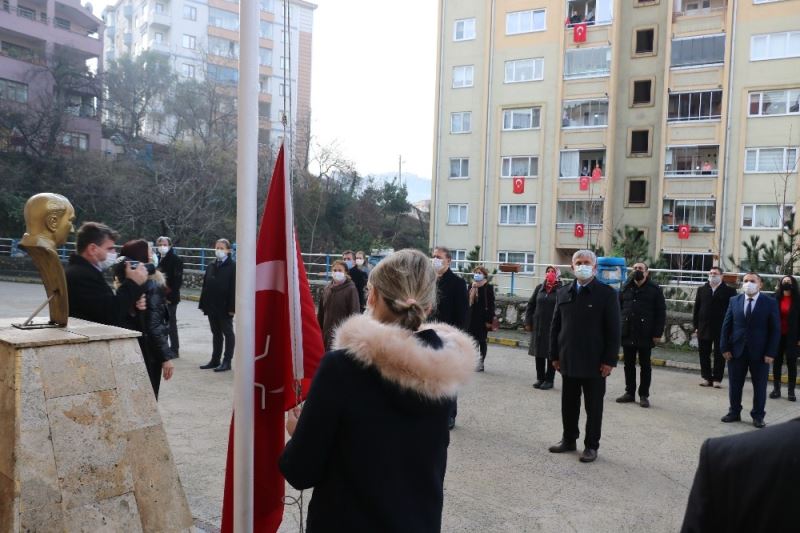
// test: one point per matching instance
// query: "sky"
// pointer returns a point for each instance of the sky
(373, 81)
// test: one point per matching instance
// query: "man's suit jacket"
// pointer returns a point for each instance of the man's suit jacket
(747, 482)
(760, 335)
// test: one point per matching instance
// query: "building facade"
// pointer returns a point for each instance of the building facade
(561, 122)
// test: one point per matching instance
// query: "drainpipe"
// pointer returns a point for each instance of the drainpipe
(726, 177)
(487, 163)
(435, 202)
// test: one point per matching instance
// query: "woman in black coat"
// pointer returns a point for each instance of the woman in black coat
(538, 317)
(788, 298)
(372, 436)
(481, 310)
(171, 265)
(218, 303)
(153, 322)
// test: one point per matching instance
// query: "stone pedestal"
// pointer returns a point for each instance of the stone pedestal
(82, 447)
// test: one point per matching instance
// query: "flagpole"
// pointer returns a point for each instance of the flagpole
(246, 220)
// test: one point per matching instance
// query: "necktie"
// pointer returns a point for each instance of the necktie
(749, 310)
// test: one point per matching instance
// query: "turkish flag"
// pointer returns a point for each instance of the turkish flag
(519, 185)
(288, 349)
(579, 33)
(583, 182)
(579, 230)
(684, 231)
(597, 174)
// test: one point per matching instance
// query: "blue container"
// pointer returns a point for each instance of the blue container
(611, 271)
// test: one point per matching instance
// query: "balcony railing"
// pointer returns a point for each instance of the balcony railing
(692, 12)
(692, 173)
(57, 22)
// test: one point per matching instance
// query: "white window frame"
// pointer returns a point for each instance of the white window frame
(698, 37)
(192, 40)
(158, 37)
(467, 25)
(465, 75)
(458, 259)
(531, 212)
(587, 210)
(160, 8)
(591, 126)
(461, 221)
(69, 138)
(788, 36)
(787, 160)
(461, 161)
(781, 215)
(527, 266)
(525, 21)
(189, 12)
(672, 152)
(462, 114)
(691, 95)
(187, 70)
(766, 1)
(788, 101)
(508, 161)
(537, 66)
(535, 118)
(707, 203)
(588, 74)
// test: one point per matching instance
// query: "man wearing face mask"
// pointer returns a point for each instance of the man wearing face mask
(218, 303)
(644, 312)
(710, 306)
(749, 340)
(90, 295)
(584, 347)
(358, 276)
(171, 265)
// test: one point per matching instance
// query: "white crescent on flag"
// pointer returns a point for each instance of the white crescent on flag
(579, 30)
(518, 183)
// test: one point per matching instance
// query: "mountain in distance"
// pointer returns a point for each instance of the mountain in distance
(419, 188)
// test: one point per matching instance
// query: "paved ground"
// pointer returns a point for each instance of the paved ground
(500, 476)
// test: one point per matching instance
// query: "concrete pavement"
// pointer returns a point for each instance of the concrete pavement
(500, 477)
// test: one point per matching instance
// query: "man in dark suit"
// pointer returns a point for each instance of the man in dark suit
(358, 276)
(746, 482)
(749, 341)
(452, 302)
(171, 265)
(710, 306)
(584, 347)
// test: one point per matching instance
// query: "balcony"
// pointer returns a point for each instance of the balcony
(692, 162)
(577, 163)
(698, 8)
(590, 12)
(159, 18)
(699, 215)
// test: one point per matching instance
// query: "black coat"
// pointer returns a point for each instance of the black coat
(481, 312)
(539, 317)
(171, 265)
(585, 329)
(91, 297)
(643, 313)
(452, 301)
(793, 331)
(709, 310)
(153, 323)
(360, 278)
(218, 297)
(747, 482)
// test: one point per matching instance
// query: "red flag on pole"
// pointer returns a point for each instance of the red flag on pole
(583, 182)
(579, 230)
(519, 185)
(684, 231)
(288, 348)
(597, 173)
(579, 33)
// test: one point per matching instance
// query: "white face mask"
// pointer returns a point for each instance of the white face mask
(221, 254)
(359, 262)
(111, 258)
(163, 250)
(337, 276)
(437, 264)
(715, 280)
(478, 277)
(750, 287)
(584, 272)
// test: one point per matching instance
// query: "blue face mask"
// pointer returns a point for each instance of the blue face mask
(349, 264)
(478, 277)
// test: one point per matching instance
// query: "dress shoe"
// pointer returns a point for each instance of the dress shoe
(790, 396)
(210, 364)
(644, 402)
(563, 446)
(717, 385)
(538, 384)
(759, 423)
(776, 393)
(707, 384)
(224, 367)
(451, 422)
(626, 398)
(479, 366)
(730, 417)
(546, 385)
(588, 455)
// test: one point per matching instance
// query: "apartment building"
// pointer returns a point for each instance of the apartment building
(560, 122)
(32, 35)
(201, 39)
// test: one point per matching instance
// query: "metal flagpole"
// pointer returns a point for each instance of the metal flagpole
(246, 220)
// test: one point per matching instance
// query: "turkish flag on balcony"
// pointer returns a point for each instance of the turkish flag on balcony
(579, 33)
(684, 231)
(579, 230)
(597, 174)
(519, 185)
(583, 182)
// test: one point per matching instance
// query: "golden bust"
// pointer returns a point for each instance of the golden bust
(48, 221)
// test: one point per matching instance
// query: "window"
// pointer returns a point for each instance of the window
(464, 30)
(189, 12)
(704, 105)
(224, 75)
(571, 212)
(783, 102)
(589, 11)
(187, 70)
(265, 29)
(76, 141)
(26, 12)
(689, 161)
(584, 114)
(525, 259)
(640, 142)
(460, 122)
(525, 21)
(158, 37)
(770, 160)
(766, 216)
(223, 47)
(267, 5)
(282, 89)
(161, 8)
(459, 259)
(587, 62)
(265, 57)
(264, 109)
(223, 19)
(463, 76)
(459, 167)
(263, 84)
(700, 215)
(527, 167)
(521, 119)
(64, 24)
(637, 193)
(642, 92)
(189, 41)
(79, 105)
(575, 163)
(693, 262)
(695, 51)
(775, 45)
(457, 214)
(520, 70)
(645, 41)
(517, 214)
(13, 91)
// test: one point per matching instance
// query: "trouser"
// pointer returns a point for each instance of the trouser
(173, 328)
(544, 370)
(705, 352)
(791, 364)
(480, 339)
(737, 372)
(454, 407)
(593, 389)
(221, 326)
(154, 373)
(629, 352)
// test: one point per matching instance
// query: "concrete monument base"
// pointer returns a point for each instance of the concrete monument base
(82, 447)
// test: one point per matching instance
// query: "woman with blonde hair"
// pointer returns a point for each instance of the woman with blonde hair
(372, 436)
(339, 300)
(481, 310)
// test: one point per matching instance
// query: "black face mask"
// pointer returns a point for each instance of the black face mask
(638, 275)
(786, 286)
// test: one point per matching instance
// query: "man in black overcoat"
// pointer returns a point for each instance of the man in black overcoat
(358, 276)
(710, 305)
(171, 265)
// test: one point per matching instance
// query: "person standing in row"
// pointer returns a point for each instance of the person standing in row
(710, 306)
(171, 265)
(481, 310)
(538, 318)
(338, 301)
(788, 299)
(218, 302)
(362, 263)
(644, 312)
(358, 276)
(584, 347)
